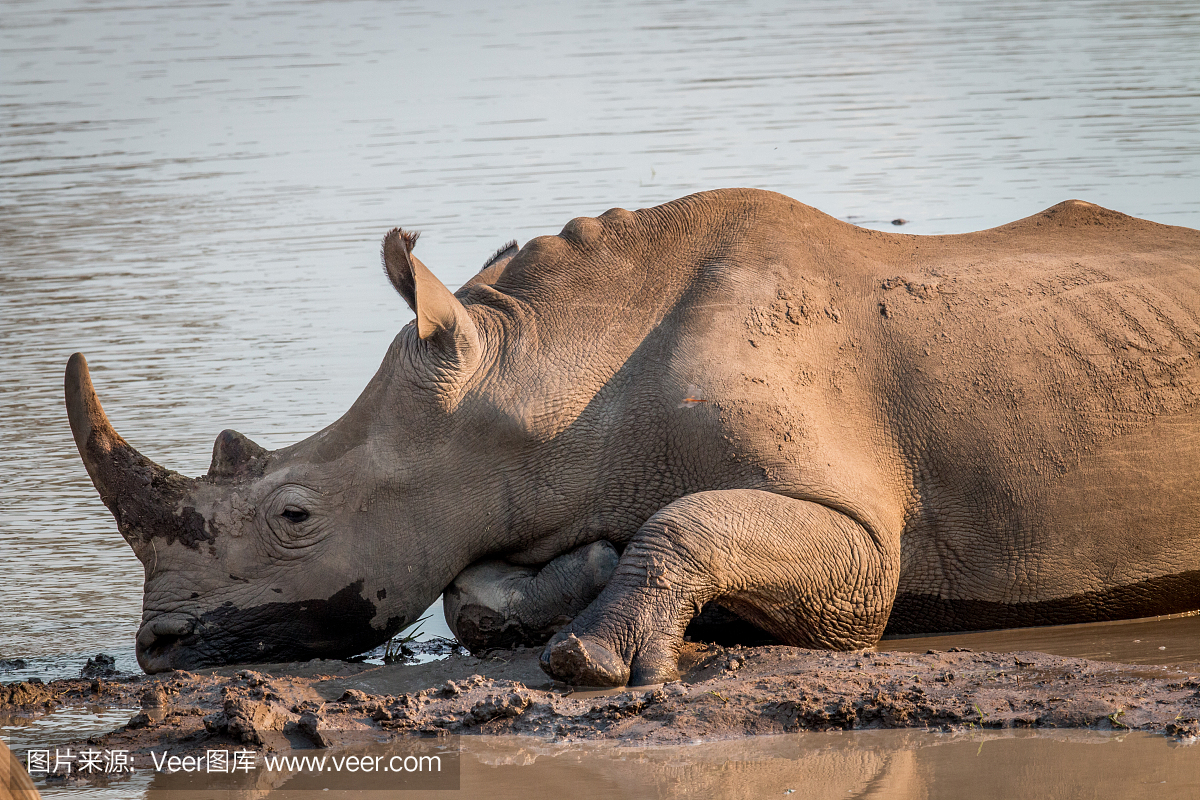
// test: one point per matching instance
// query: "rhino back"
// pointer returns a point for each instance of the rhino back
(1045, 392)
(1017, 405)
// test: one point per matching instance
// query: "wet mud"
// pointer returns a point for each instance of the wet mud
(726, 693)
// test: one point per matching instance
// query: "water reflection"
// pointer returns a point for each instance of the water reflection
(192, 193)
(898, 765)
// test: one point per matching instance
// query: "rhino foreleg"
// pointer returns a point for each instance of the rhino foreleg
(803, 572)
(494, 604)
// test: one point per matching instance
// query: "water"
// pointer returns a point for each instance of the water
(193, 193)
(65, 724)
(897, 765)
(1171, 639)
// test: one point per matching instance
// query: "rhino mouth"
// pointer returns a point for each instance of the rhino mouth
(160, 638)
(339, 627)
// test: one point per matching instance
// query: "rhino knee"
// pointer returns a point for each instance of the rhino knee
(572, 581)
(492, 604)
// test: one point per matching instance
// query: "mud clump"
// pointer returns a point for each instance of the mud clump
(247, 721)
(27, 694)
(1184, 728)
(102, 666)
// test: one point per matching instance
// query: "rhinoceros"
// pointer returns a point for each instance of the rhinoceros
(732, 399)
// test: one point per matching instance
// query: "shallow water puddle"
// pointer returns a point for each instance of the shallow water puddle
(1153, 640)
(66, 724)
(878, 764)
(903, 765)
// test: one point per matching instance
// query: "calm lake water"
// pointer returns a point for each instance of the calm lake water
(192, 193)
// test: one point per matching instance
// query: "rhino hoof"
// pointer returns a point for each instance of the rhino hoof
(580, 663)
(653, 675)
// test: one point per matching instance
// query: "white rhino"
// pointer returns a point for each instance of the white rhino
(831, 431)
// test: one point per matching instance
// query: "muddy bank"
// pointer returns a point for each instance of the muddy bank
(725, 693)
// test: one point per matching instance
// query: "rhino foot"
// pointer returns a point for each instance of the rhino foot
(587, 663)
(573, 661)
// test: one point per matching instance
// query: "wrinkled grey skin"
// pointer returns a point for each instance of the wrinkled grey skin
(493, 604)
(829, 430)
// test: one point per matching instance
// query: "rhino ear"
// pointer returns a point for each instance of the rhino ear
(397, 257)
(438, 311)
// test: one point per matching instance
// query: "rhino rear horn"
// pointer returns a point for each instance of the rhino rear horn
(236, 455)
(140, 494)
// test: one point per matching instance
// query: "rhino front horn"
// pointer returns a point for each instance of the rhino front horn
(140, 494)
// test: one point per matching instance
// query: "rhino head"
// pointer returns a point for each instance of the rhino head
(325, 548)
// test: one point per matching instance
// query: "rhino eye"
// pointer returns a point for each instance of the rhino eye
(294, 515)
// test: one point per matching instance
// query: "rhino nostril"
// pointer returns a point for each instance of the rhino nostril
(160, 633)
(161, 643)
